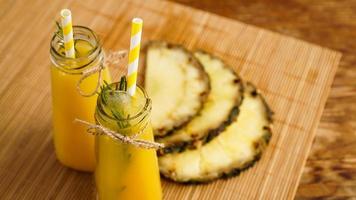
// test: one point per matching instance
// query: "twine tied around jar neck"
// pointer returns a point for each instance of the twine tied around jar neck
(113, 58)
(93, 128)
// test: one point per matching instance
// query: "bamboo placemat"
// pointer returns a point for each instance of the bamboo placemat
(294, 76)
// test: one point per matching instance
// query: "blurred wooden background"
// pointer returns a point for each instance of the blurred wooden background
(330, 172)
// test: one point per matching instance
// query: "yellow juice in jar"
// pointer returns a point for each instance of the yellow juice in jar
(75, 148)
(125, 171)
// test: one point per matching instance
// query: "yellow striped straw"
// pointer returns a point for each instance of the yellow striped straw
(66, 18)
(135, 43)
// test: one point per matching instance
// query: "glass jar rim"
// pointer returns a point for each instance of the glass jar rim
(93, 54)
(143, 112)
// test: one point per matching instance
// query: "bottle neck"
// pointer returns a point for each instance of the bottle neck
(134, 124)
(77, 65)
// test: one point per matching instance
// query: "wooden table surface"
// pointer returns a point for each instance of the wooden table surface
(330, 172)
(331, 168)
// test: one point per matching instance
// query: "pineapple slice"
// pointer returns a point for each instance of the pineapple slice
(229, 153)
(177, 84)
(220, 109)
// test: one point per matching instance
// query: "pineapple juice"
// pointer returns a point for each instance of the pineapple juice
(74, 146)
(125, 171)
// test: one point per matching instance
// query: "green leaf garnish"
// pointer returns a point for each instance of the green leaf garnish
(106, 91)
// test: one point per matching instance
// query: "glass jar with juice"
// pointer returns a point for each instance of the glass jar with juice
(74, 146)
(125, 171)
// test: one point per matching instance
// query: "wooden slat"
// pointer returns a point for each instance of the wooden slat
(294, 76)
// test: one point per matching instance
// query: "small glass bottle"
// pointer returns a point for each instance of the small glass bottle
(125, 171)
(74, 146)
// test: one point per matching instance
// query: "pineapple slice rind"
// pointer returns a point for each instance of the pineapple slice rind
(232, 151)
(219, 110)
(177, 84)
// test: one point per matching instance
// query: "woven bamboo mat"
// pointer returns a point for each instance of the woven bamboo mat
(294, 76)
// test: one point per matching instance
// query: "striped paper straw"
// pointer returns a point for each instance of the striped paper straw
(136, 30)
(67, 27)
